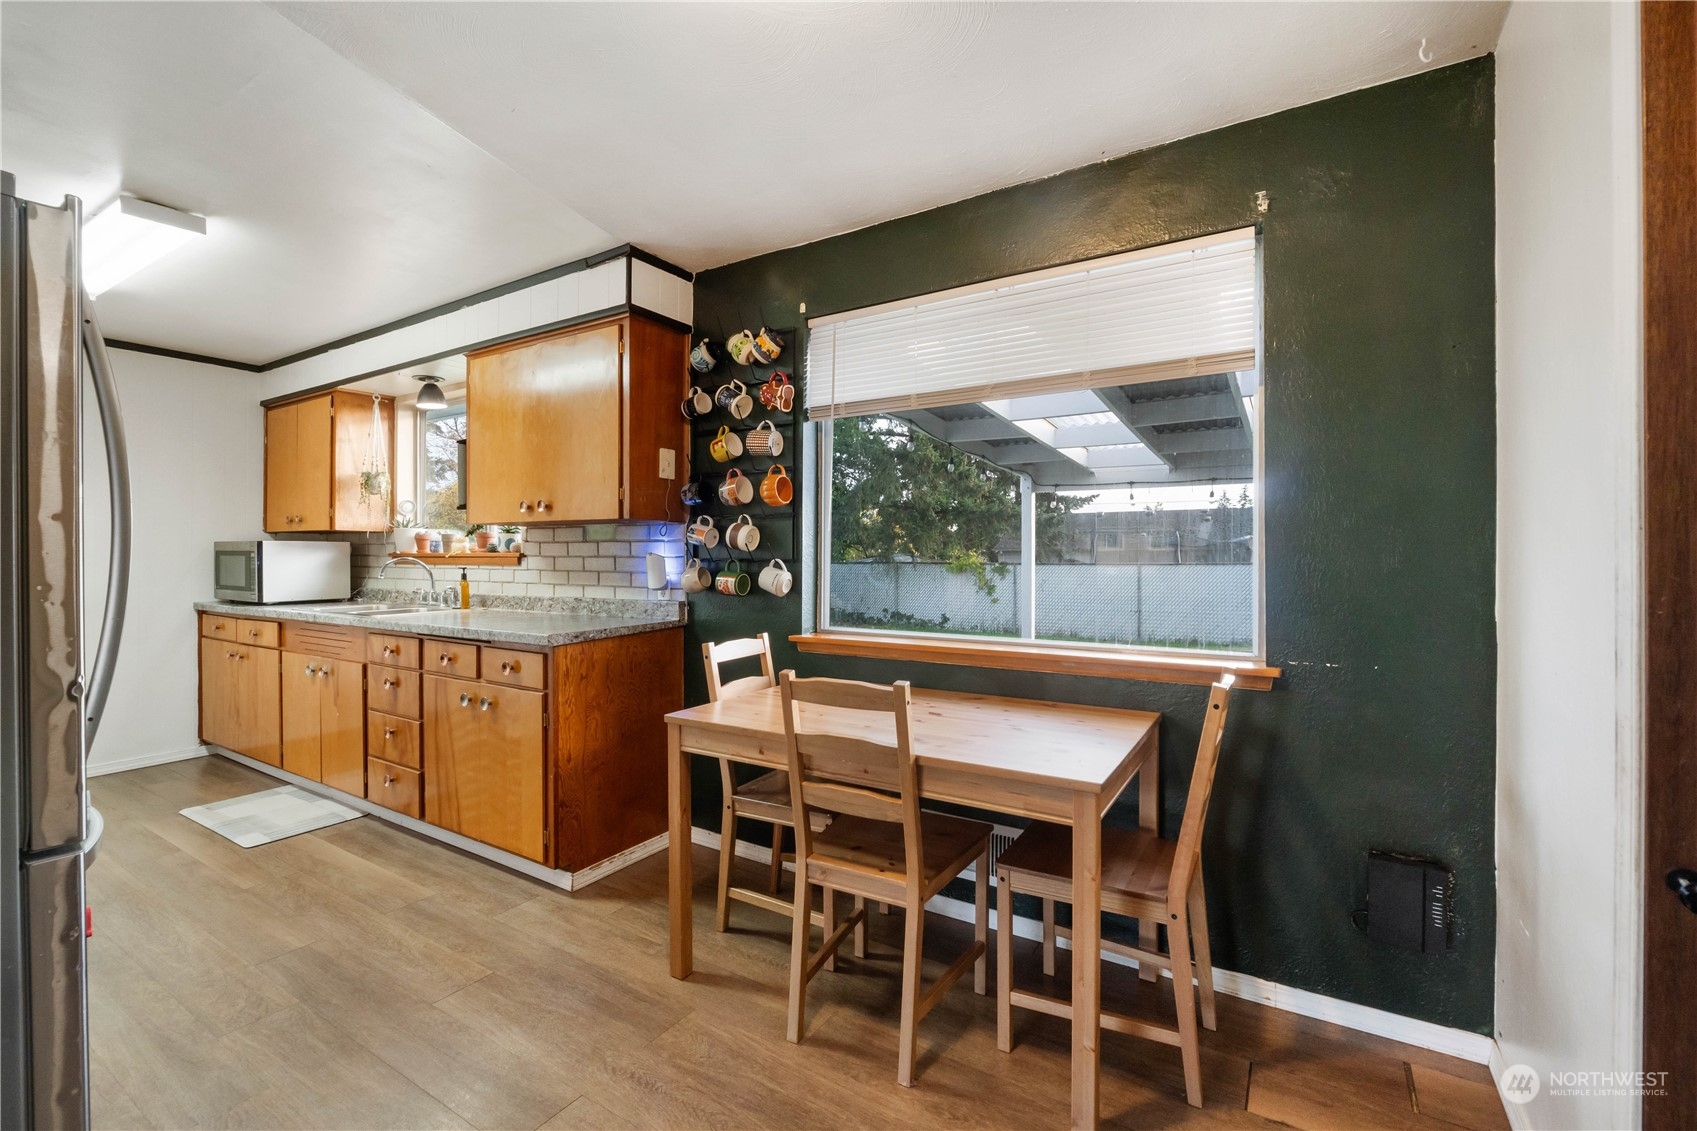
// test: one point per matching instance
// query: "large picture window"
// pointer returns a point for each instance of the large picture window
(1105, 500)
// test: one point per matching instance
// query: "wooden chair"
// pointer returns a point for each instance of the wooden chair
(877, 846)
(765, 798)
(1143, 876)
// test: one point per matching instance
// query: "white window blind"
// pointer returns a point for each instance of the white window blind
(1177, 310)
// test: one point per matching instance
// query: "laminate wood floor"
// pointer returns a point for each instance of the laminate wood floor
(360, 976)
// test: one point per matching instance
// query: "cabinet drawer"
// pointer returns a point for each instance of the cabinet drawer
(394, 787)
(396, 651)
(451, 657)
(218, 627)
(392, 691)
(514, 668)
(259, 633)
(393, 740)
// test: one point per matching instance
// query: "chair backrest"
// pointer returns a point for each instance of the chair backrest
(845, 761)
(1189, 853)
(718, 655)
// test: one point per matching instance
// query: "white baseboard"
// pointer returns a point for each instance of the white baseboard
(1475, 1047)
(140, 761)
(567, 881)
(1519, 1114)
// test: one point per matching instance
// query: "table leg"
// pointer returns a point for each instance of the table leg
(680, 880)
(1149, 819)
(1086, 960)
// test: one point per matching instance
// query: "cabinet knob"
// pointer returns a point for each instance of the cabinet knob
(388, 733)
(465, 700)
(508, 667)
(229, 655)
(484, 703)
(219, 627)
(524, 505)
(543, 504)
(323, 671)
(310, 670)
(388, 651)
(388, 779)
(388, 683)
(446, 659)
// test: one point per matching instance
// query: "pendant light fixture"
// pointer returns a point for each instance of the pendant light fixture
(430, 396)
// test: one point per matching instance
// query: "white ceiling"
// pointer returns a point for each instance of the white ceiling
(359, 162)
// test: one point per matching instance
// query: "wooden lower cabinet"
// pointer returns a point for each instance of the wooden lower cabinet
(611, 701)
(556, 755)
(323, 703)
(394, 787)
(239, 699)
(394, 740)
(484, 770)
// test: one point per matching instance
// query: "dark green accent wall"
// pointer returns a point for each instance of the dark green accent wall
(1379, 500)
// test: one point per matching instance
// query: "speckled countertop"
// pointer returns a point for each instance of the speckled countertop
(540, 628)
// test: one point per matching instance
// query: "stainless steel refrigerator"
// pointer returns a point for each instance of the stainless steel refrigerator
(53, 685)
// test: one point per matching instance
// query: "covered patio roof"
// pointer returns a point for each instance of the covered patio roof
(1186, 430)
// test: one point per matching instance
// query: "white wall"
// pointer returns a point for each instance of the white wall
(196, 438)
(1568, 957)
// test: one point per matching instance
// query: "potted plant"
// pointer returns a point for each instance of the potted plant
(421, 539)
(373, 489)
(509, 537)
(481, 535)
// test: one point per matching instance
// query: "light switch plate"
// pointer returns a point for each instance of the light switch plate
(668, 463)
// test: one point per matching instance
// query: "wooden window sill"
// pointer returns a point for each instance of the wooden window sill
(469, 558)
(1251, 675)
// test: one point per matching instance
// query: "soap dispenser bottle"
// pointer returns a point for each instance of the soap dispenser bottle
(465, 590)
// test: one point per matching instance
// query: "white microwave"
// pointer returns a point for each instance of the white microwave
(268, 573)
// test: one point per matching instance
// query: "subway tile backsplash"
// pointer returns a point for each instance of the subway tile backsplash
(602, 560)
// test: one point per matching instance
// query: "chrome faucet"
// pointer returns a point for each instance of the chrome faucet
(436, 598)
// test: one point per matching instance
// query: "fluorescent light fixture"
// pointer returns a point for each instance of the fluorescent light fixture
(128, 235)
(430, 396)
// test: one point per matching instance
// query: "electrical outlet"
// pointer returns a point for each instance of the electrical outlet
(668, 463)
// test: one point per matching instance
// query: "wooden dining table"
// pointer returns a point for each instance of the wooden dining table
(1056, 762)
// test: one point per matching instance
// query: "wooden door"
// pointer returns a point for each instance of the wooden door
(300, 713)
(341, 725)
(280, 459)
(313, 469)
(483, 763)
(1669, 75)
(356, 437)
(218, 721)
(298, 466)
(258, 701)
(544, 429)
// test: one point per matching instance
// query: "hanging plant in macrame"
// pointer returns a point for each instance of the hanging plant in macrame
(374, 469)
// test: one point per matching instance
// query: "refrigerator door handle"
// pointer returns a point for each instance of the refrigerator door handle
(118, 475)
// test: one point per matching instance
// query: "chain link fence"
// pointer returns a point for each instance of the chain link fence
(1185, 606)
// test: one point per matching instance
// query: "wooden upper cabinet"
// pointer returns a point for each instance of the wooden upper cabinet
(316, 452)
(568, 426)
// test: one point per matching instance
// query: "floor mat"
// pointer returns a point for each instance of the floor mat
(274, 814)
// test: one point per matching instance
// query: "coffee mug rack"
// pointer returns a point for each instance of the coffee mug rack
(779, 536)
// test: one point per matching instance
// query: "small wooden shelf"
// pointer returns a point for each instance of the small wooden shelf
(469, 558)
